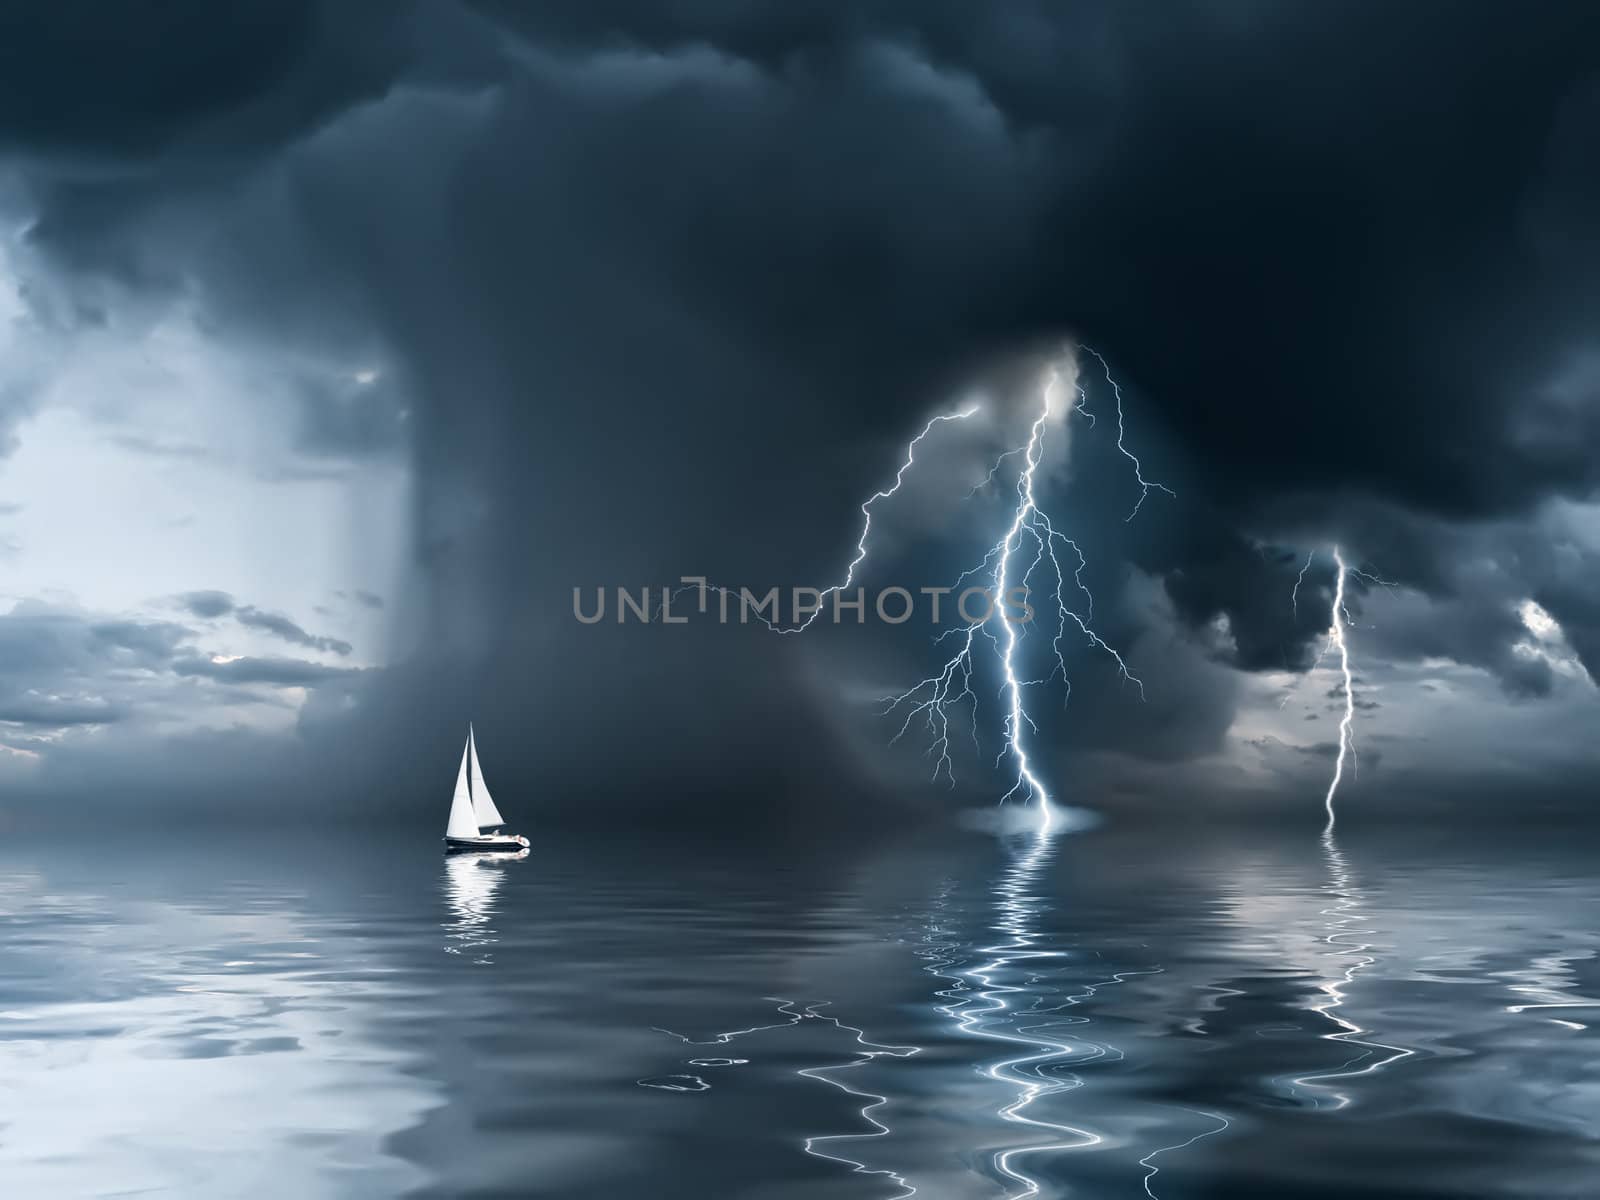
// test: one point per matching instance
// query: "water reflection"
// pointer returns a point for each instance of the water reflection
(168, 1044)
(470, 883)
(1027, 993)
(1148, 1161)
(1550, 980)
(864, 1052)
(1011, 973)
(1346, 927)
(1102, 1016)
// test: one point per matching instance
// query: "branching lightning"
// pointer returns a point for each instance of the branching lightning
(866, 511)
(1030, 527)
(1145, 485)
(705, 588)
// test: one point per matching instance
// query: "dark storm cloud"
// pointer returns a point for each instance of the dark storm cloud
(1576, 605)
(1325, 292)
(136, 78)
(668, 283)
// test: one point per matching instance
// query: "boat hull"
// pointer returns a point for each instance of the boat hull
(484, 844)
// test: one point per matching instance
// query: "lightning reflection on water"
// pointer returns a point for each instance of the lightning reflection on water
(1148, 1161)
(987, 1003)
(1345, 931)
(1029, 1006)
(172, 987)
(1021, 992)
(863, 1051)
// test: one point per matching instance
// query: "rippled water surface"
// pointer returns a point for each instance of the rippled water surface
(1111, 1014)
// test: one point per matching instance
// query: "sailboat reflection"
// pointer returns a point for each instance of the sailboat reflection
(470, 883)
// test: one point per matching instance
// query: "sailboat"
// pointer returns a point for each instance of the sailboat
(475, 823)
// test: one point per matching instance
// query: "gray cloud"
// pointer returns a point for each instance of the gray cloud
(149, 643)
(57, 714)
(281, 672)
(63, 670)
(348, 418)
(282, 627)
(212, 604)
(161, 449)
(207, 603)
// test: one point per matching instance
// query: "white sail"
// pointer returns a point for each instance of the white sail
(463, 822)
(482, 802)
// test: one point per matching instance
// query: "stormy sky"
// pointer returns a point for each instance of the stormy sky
(340, 342)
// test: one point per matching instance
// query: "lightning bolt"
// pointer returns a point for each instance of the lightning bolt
(1030, 528)
(1146, 486)
(1337, 639)
(1026, 508)
(861, 542)
(1338, 618)
(1294, 596)
(866, 511)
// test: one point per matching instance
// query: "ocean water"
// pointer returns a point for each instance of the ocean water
(1115, 1013)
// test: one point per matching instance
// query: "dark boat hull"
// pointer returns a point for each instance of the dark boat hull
(484, 845)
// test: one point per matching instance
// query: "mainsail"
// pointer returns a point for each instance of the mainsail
(463, 821)
(488, 816)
